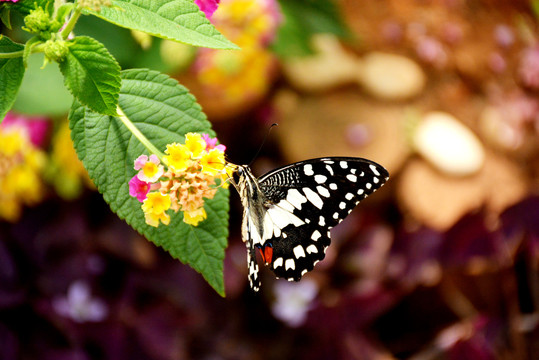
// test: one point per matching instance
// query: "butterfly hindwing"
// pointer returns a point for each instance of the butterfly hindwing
(298, 252)
(305, 200)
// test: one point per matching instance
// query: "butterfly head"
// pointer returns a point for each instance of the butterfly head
(244, 181)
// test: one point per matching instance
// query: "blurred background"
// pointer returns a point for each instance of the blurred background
(441, 263)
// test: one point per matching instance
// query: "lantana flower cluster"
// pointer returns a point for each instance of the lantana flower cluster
(187, 174)
(238, 76)
(21, 165)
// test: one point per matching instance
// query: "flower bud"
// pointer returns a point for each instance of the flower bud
(56, 50)
(37, 21)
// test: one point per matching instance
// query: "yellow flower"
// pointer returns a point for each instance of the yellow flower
(248, 22)
(21, 164)
(65, 171)
(236, 77)
(64, 154)
(154, 208)
(149, 169)
(178, 156)
(225, 175)
(153, 219)
(13, 142)
(194, 217)
(36, 160)
(10, 209)
(213, 162)
(26, 183)
(195, 144)
(156, 203)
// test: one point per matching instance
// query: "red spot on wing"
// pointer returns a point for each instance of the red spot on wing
(268, 254)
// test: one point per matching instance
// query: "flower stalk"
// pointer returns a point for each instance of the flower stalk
(70, 25)
(136, 132)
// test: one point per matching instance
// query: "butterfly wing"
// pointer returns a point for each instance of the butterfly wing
(306, 199)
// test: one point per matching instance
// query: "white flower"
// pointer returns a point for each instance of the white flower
(79, 305)
(293, 301)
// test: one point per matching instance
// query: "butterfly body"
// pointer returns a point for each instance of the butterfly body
(288, 212)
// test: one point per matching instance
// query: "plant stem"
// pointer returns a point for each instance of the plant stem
(140, 136)
(14, 54)
(72, 21)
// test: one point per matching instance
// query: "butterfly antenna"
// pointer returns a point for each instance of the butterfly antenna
(263, 142)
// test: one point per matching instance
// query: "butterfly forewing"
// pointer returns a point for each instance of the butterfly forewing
(306, 199)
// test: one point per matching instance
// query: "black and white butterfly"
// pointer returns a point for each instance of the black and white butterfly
(289, 211)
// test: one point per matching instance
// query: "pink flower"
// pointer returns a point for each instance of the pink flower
(138, 188)
(37, 127)
(140, 161)
(504, 35)
(208, 7)
(150, 169)
(529, 67)
(13, 1)
(211, 143)
(431, 51)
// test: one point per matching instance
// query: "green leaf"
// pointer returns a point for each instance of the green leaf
(25, 6)
(63, 11)
(5, 17)
(303, 19)
(42, 91)
(179, 20)
(164, 112)
(92, 75)
(11, 74)
(118, 41)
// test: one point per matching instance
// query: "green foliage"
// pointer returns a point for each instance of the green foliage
(161, 109)
(303, 19)
(164, 112)
(178, 20)
(24, 7)
(11, 75)
(92, 75)
(118, 41)
(5, 17)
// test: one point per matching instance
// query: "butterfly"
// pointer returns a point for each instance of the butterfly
(288, 212)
